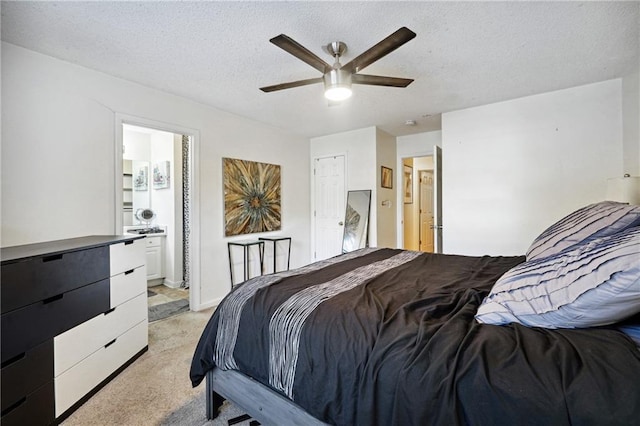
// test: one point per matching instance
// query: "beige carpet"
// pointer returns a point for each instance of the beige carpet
(155, 389)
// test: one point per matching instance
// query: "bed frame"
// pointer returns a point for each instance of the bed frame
(259, 401)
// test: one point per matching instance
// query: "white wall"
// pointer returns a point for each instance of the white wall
(631, 124)
(418, 145)
(58, 158)
(174, 253)
(165, 201)
(366, 151)
(512, 168)
(359, 147)
(386, 215)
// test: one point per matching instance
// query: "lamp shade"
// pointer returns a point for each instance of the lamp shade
(337, 85)
(625, 189)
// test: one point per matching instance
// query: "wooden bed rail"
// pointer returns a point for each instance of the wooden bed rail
(259, 401)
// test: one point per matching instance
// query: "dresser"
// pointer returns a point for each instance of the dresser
(74, 314)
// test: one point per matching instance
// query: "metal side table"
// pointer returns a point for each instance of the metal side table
(246, 246)
(275, 240)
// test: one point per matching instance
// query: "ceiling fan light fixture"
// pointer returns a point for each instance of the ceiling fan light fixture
(337, 85)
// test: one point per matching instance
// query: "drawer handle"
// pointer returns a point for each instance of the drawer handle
(13, 406)
(109, 311)
(126, 243)
(52, 257)
(13, 360)
(52, 299)
(110, 343)
(129, 272)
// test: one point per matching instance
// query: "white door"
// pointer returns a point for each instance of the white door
(437, 199)
(426, 211)
(329, 187)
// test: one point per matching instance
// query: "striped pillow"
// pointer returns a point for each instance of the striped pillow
(633, 331)
(593, 221)
(595, 284)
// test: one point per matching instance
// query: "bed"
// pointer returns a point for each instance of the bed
(395, 337)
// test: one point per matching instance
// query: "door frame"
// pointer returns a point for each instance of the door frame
(428, 151)
(194, 204)
(312, 246)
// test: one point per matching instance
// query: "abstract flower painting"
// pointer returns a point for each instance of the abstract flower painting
(251, 197)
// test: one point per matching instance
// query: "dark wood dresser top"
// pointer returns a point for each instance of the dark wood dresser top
(17, 253)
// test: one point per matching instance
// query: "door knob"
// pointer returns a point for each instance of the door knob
(340, 223)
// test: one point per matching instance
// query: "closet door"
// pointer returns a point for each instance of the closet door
(329, 205)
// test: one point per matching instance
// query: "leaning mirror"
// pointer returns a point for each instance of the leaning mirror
(356, 221)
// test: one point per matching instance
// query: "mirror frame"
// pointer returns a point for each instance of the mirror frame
(356, 220)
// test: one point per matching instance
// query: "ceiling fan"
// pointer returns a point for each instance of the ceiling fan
(338, 78)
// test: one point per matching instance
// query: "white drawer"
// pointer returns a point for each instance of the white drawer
(128, 285)
(76, 382)
(76, 344)
(154, 241)
(124, 257)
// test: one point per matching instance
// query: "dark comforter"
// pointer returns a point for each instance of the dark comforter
(388, 337)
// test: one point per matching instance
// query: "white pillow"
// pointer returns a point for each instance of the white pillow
(594, 284)
(589, 222)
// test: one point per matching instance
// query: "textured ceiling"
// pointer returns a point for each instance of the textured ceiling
(217, 53)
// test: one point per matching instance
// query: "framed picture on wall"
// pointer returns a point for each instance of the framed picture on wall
(141, 178)
(386, 178)
(407, 184)
(161, 175)
(251, 197)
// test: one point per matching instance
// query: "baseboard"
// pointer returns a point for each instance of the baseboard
(173, 284)
(155, 282)
(207, 305)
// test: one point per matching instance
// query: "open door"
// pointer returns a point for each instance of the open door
(437, 205)
(426, 211)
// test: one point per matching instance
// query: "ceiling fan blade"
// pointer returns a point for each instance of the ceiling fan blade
(299, 51)
(378, 80)
(381, 49)
(291, 84)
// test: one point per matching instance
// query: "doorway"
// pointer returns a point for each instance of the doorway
(421, 213)
(161, 164)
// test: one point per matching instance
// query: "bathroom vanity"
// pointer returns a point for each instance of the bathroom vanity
(155, 258)
(155, 243)
(74, 314)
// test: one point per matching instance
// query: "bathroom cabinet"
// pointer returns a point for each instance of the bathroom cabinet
(155, 257)
(74, 314)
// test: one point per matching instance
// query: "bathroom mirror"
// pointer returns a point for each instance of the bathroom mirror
(145, 215)
(356, 220)
(141, 189)
(136, 190)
